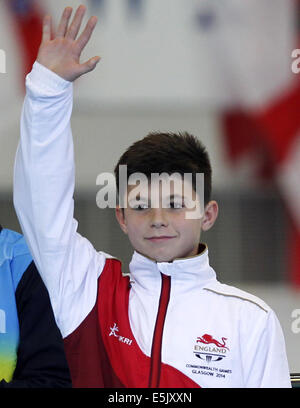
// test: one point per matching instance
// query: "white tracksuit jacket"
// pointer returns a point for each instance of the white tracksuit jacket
(213, 335)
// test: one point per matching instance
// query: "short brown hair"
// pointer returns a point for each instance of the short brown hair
(168, 152)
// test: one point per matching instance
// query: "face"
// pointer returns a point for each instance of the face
(164, 234)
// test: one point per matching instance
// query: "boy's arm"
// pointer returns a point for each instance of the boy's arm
(265, 360)
(45, 177)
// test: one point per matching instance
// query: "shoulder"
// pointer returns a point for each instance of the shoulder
(237, 296)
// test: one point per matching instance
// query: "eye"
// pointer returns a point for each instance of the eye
(140, 207)
(177, 204)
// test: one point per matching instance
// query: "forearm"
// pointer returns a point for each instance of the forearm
(44, 167)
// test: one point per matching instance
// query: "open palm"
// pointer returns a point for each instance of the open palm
(61, 52)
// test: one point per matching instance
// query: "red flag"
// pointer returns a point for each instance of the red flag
(27, 18)
(264, 118)
(274, 135)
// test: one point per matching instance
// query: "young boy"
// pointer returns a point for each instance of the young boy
(171, 323)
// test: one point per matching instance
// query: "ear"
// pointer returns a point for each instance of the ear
(210, 215)
(120, 215)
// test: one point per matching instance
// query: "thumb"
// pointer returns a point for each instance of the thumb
(89, 65)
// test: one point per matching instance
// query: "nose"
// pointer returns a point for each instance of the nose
(158, 218)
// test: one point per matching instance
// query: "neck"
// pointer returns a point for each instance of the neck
(201, 249)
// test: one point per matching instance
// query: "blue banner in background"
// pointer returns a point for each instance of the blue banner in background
(21, 7)
(96, 5)
(134, 8)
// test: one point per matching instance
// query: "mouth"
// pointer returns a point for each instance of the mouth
(159, 239)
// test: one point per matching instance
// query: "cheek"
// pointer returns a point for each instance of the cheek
(192, 229)
(135, 226)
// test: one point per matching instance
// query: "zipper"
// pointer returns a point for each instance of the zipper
(155, 367)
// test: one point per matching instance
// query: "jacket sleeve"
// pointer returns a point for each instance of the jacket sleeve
(41, 360)
(264, 356)
(44, 180)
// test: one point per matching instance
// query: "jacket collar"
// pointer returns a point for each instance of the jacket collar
(193, 271)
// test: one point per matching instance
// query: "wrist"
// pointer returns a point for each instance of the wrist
(46, 78)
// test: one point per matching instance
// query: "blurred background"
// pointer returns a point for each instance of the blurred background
(220, 69)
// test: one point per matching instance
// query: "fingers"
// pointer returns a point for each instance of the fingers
(64, 21)
(70, 32)
(63, 56)
(47, 28)
(86, 34)
(76, 23)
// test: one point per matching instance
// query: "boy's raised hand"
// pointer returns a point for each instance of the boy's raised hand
(61, 52)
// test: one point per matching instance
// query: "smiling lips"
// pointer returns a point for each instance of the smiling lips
(159, 239)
